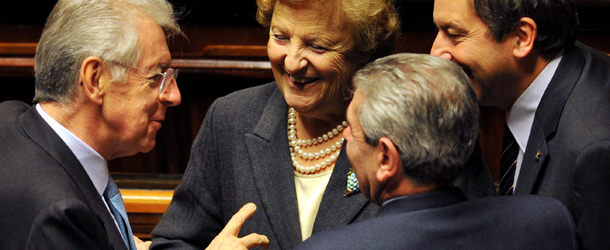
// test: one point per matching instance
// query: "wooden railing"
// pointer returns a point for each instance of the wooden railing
(20, 60)
(145, 208)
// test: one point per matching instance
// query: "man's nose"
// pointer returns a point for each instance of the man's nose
(440, 47)
(171, 96)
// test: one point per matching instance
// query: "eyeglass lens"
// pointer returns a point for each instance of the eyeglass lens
(167, 78)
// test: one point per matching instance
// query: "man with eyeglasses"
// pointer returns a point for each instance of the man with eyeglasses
(103, 85)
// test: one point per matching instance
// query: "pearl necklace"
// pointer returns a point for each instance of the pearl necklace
(297, 145)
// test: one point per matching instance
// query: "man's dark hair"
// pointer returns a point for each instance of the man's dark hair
(557, 21)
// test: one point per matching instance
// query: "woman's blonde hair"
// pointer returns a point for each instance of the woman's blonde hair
(375, 23)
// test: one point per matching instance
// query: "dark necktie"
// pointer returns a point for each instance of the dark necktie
(115, 203)
(508, 162)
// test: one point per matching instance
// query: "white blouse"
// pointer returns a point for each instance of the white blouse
(310, 189)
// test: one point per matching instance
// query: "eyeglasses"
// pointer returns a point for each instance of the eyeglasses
(164, 78)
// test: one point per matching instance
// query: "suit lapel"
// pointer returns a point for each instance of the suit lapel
(272, 172)
(567, 75)
(41, 133)
(533, 160)
(335, 209)
(547, 117)
(274, 179)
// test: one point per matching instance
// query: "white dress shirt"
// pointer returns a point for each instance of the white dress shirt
(94, 164)
(520, 117)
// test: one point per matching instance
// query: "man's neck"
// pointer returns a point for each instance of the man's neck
(529, 69)
(405, 187)
(77, 119)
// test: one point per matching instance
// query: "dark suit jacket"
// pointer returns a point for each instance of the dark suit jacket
(445, 220)
(241, 155)
(568, 152)
(47, 200)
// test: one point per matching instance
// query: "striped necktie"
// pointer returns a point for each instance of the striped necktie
(508, 162)
(115, 202)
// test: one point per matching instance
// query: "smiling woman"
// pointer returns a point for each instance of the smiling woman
(313, 57)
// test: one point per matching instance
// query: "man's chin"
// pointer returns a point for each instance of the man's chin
(148, 148)
(148, 144)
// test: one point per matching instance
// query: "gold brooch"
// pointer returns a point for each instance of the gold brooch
(352, 183)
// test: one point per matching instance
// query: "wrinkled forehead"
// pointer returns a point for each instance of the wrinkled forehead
(324, 3)
(455, 13)
(325, 8)
(311, 17)
(153, 44)
(473, 10)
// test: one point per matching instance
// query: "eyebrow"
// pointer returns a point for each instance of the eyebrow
(163, 65)
(451, 25)
(278, 25)
(310, 36)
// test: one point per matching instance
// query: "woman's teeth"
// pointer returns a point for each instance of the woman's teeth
(303, 80)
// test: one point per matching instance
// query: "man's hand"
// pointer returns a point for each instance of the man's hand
(141, 245)
(227, 239)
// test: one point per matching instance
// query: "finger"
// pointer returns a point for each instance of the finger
(137, 240)
(255, 240)
(143, 245)
(238, 219)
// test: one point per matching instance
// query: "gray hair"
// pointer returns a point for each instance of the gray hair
(77, 29)
(427, 107)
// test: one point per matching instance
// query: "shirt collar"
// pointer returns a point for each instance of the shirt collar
(520, 117)
(95, 165)
(428, 200)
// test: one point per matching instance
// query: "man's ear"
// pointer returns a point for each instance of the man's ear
(387, 159)
(524, 37)
(90, 79)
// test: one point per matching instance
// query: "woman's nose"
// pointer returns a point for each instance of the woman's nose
(294, 61)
